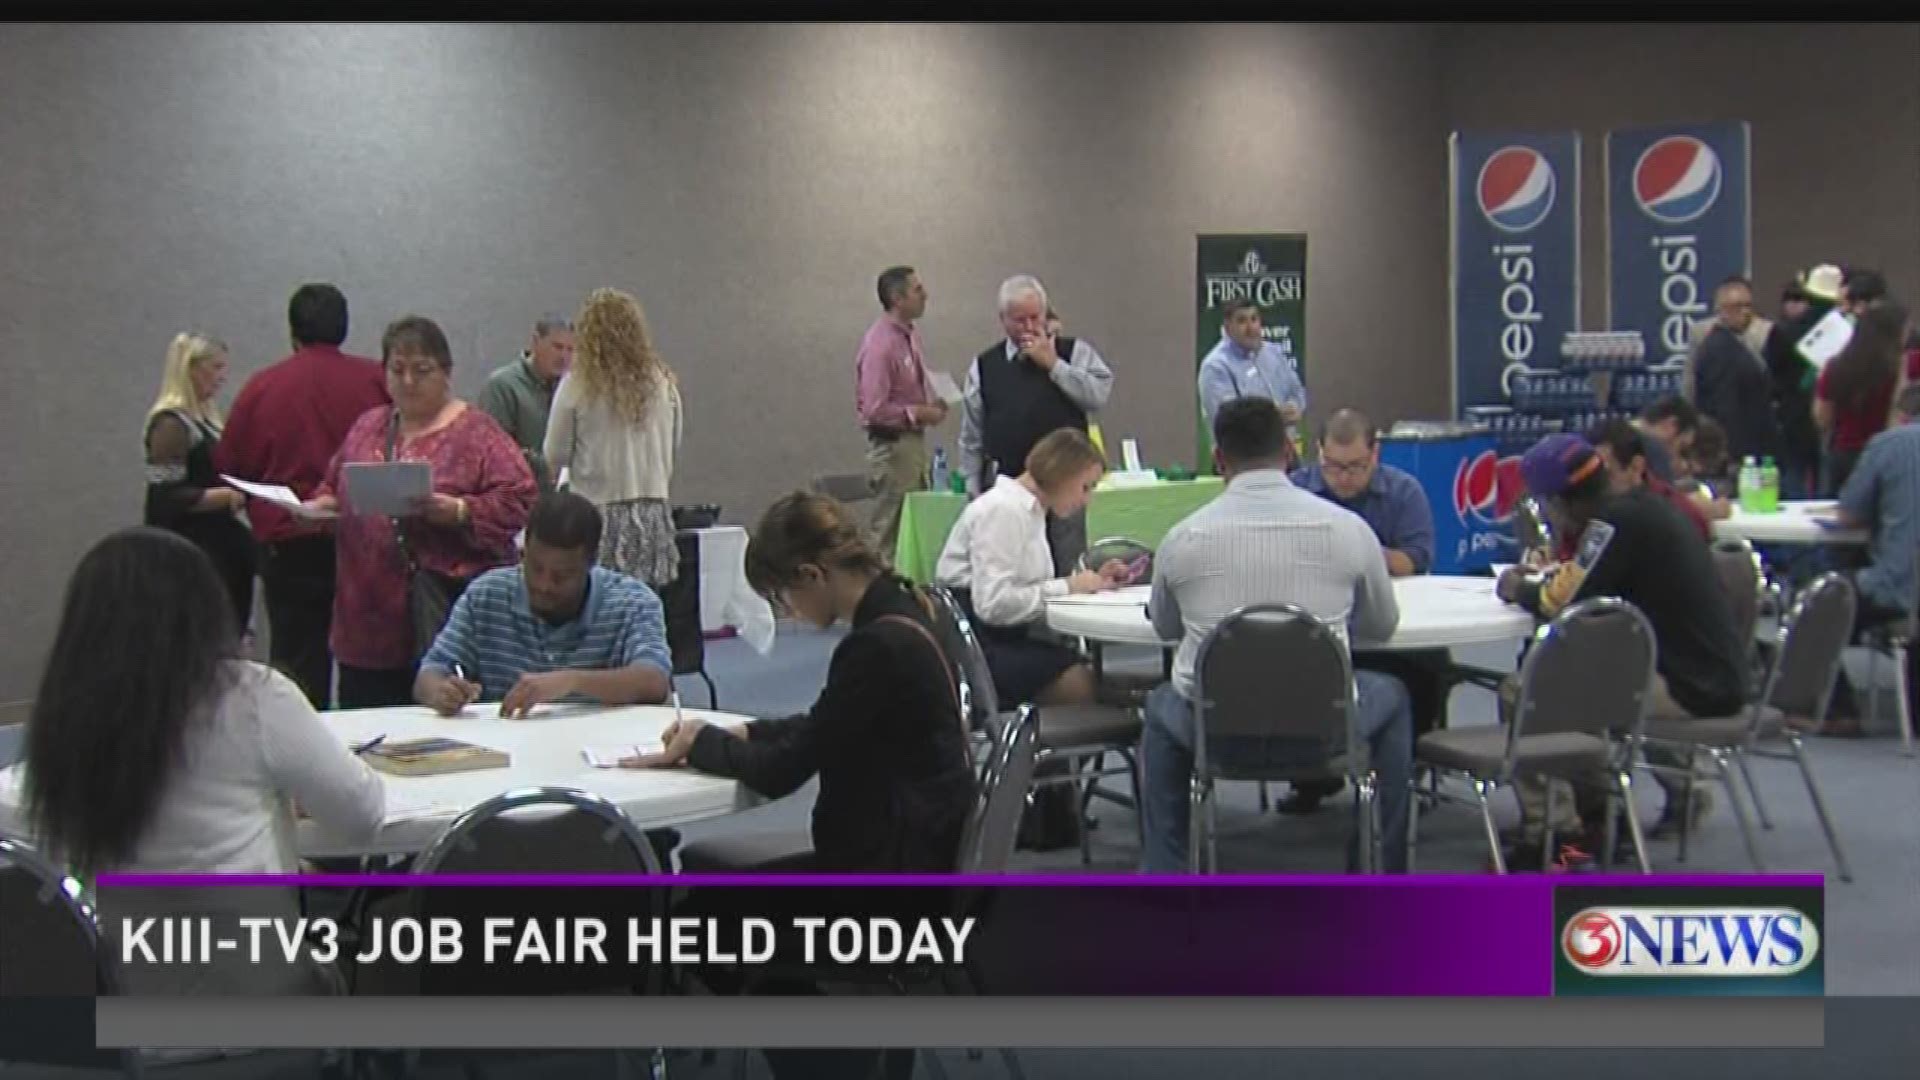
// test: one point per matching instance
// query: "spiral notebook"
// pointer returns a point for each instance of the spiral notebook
(431, 757)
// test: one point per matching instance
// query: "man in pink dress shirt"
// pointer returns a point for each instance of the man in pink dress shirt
(894, 401)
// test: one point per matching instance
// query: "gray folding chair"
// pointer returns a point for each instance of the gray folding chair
(1123, 548)
(986, 847)
(1079, 735)
(50, 947)
(1587, 676)
(548, 830)
(1896, 639)
(1275, 678)
(1812, 640)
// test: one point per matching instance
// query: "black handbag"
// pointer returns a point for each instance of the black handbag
(430, 596)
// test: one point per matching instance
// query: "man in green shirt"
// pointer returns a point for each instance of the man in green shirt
(520, 394)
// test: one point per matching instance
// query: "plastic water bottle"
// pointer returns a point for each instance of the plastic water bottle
(1770, 485)
(940, 473)
(1750, 485)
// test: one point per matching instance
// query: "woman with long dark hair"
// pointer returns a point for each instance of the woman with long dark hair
(154, 747)
(1855, 391)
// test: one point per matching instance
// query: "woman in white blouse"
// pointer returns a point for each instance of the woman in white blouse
(1000, 568)
(153, 747)
(615, 427)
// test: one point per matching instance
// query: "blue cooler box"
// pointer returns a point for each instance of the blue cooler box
(1470, 487)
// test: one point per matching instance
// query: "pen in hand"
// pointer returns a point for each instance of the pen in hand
(369, 744)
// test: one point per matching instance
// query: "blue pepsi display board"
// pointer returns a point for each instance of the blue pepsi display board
(1471, 490)
(1515, 266)
(1678, 223)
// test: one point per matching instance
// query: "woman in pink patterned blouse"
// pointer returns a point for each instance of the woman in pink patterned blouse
(482, 492)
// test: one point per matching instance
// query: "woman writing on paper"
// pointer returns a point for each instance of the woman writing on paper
(153, 747)
(482, 492)
(885, 734)
(1000, 568)
(615, 427)
(184, 493)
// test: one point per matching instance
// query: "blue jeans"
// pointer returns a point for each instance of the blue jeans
(1385, 716)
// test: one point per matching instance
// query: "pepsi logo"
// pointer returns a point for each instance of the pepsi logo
(1516, 188)
(1696, 941)
(1485, 488)
(1677, 179)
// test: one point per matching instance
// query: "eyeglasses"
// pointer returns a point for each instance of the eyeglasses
(412, 372)
(1344, 468)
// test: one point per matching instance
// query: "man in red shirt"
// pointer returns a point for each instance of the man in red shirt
(284, 428)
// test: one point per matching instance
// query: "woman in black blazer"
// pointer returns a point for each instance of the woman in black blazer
(885, 734)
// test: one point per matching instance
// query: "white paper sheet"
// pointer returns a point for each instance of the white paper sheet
(387, 487)
(1827, 338)
(273, 493)
(608, 757)
(1130, 454)
(945, 388)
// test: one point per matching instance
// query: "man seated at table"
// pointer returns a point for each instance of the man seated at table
(555, 627)
(1394, 505)
(1265, 541)
(1624, 448)
(1636, 546)
(1669, 423)
(1882, 494)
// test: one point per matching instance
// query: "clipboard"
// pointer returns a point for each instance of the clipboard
(387, 488)
(433, 757)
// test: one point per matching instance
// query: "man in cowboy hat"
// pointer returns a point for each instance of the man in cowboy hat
(1793, 379)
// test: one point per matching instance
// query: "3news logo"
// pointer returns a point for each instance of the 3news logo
(1718, 941)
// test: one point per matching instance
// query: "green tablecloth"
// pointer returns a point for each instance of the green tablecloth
(1140, 513)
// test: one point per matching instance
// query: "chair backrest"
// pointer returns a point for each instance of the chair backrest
(845, 487)
(986, 845)
(979, 702)
(680, 608)
(541, 830)
(1813, 638)
(549, 830)
(1743, 580)
(1273, 672)
(1590, 671)
(1132, 552)
(49, 942)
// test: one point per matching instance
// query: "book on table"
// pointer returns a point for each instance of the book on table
(432, 756)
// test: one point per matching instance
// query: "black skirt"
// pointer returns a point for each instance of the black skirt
(1022, 665)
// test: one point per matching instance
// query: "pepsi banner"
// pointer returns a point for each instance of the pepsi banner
(1515, 232)
(1678, 223)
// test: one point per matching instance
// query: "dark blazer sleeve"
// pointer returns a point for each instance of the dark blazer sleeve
(778, 756)
(170, 498)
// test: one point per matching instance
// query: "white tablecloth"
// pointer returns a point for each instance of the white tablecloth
(545, 750)
(1793, 524)
(725, 598)
(1436, 612)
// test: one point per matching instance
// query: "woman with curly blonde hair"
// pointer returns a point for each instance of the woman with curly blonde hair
(615, 427)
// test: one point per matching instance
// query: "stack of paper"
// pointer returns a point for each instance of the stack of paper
(609, 757)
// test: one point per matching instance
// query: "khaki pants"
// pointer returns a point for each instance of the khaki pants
(1588, 800)
(893, 468)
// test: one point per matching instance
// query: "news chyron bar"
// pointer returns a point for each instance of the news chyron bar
(1419, 936)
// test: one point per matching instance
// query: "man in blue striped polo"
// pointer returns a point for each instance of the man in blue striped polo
(554, 628)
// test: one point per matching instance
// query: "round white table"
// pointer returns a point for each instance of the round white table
(546, 752)
(1436, 612)
(1794, 523)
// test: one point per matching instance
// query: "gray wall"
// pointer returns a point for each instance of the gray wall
(746, 182)
(1835, 111)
